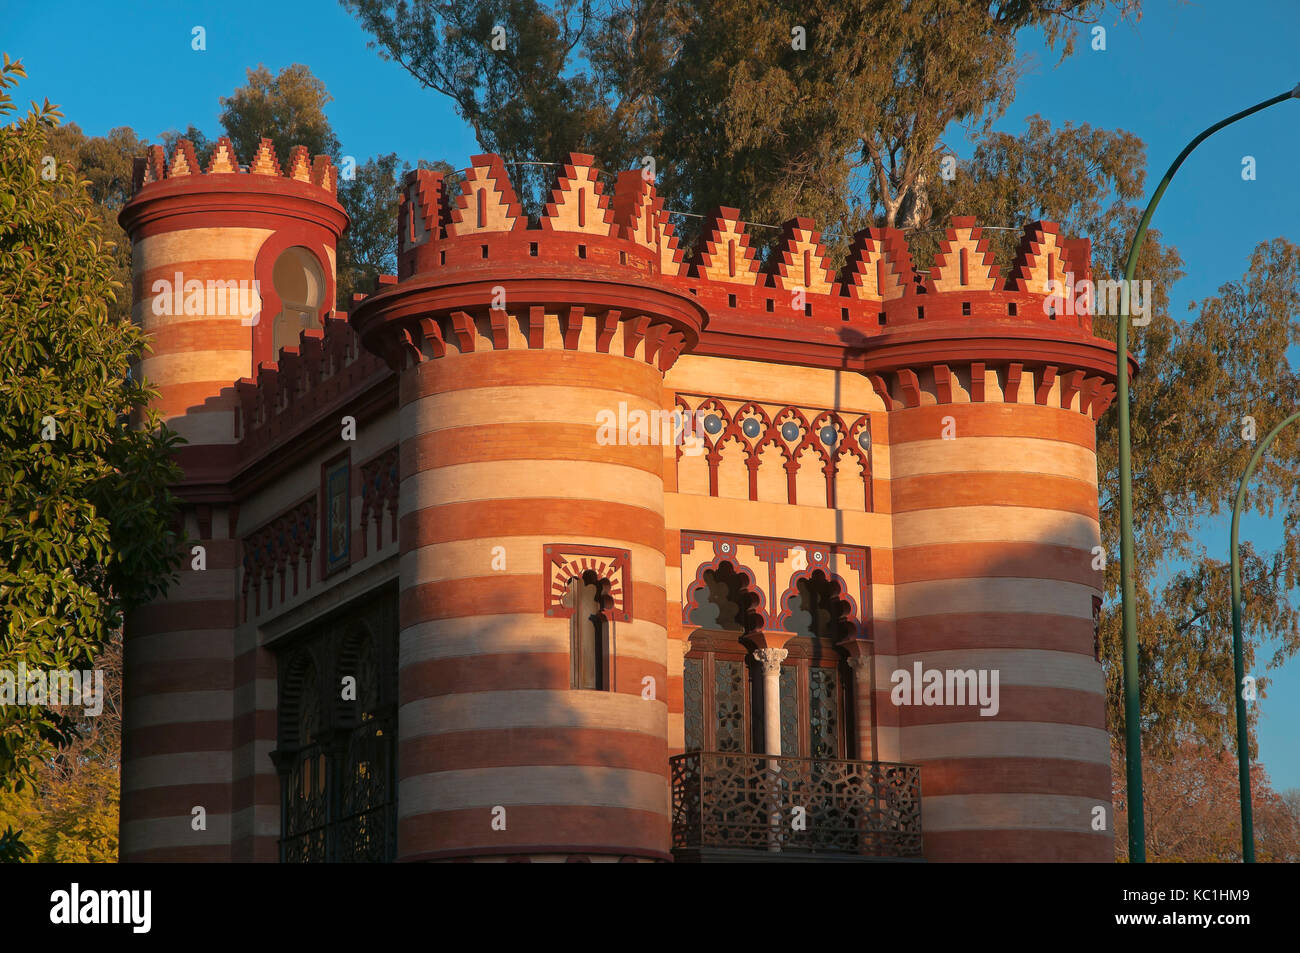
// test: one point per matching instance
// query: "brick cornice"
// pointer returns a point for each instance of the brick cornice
(422, 318)
(230, 200)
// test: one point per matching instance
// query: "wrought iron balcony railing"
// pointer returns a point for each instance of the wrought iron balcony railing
(750, 801)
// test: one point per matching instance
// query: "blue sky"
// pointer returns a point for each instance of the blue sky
(1183, 67)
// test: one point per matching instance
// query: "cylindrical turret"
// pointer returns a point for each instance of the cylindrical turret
(227, 261)
(993, 490)
(533, 651)
(228, 265)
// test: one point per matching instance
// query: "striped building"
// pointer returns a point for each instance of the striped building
(572, 544)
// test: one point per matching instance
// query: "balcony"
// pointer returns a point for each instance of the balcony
(742, 807)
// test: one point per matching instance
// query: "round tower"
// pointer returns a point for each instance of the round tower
(993, 389)
(532, 674)
(229, 264)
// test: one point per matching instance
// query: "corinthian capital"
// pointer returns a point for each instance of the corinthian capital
(771, 660)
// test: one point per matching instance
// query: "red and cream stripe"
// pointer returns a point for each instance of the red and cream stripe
(177, 718)
(193, 356)
(992, 570)
(499, 449)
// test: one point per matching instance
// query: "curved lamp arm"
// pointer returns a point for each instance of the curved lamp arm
(1238, 662)
(1132, 705)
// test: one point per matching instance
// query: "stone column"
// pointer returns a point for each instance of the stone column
(771, 660)
(862, 661)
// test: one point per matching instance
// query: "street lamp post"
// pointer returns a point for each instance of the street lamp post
(1132, 708)
(1238, 661)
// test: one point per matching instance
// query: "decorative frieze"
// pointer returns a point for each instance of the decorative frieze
(779, 453)
(282, 551)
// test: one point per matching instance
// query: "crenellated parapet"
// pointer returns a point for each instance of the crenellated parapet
(475, 272)
(437, 229)
(474, 275)
(178, 193)
(228, 262)
(327, 370)
(155, 168)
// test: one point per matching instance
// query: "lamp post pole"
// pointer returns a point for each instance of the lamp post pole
(1238, 661)
(1132, 708)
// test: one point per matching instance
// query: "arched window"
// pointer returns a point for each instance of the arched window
(338, 736)
(720, 687)
(590, 651)
(815, 681)
(300, 285)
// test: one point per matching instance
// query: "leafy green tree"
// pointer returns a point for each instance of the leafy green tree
(1084, 179)
(369, 246)
(1198, 379)
(69, 814)
(105, 163)
(510, 67)
(85, 514)
(827, 108)
(288, 107)
(839, 108)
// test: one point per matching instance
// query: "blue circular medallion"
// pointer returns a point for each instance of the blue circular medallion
(790, 430)
(713, 423)
(751, 427)
(864, 440)
(828, 435)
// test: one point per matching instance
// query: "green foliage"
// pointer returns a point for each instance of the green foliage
(105, 163)
(369, 246)
(288, 107)
(69, 811)
(70, 819)
(845, 130)
(1082, 178)
(85, 514)
(528, 100)
(1198, 378)
(80, 821)
(12, 848)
